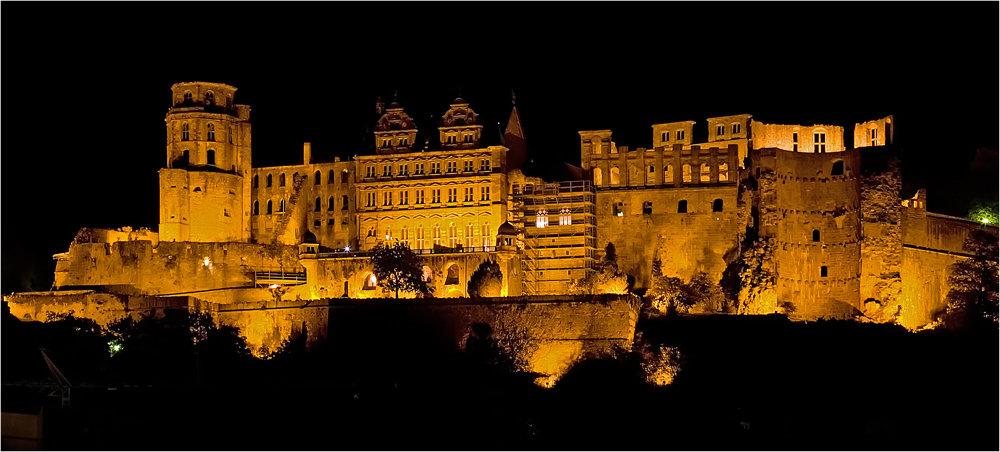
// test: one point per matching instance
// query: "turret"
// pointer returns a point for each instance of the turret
(459, 127)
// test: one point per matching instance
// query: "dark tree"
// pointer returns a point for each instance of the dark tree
(486, 281)
(397, 268)
(972, 300)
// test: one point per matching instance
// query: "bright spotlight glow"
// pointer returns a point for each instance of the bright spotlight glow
(273, 286)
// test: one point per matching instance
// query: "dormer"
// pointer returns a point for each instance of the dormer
(671, 133)
(395, 131)
(459, 127)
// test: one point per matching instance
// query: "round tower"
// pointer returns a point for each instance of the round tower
(818, 253)
(204, 193)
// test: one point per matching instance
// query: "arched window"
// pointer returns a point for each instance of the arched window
(210, 157)
(668, 174)
(469, 232)
(651, 175)
(614, 176)
(838, 168)
(723, 172)
(717, 205)
(329, 177)
(211, 132)
(230, 134)
(281, 180)
(268, 180)
(682, 206)
(437, 234)
(187, 97)
(185, 132)
(686, 173)
(345, 202)
(815, 235)
(565, 216)
(319, 205)
(452, 275)
(541, 218)
(706, 172)
(256, 180)
(317, 178)
(452, 233)
(597, 176)
(369, 282)
(209, 98)
(345, 176)
(256, 207)
(281, 206)
(329, 204)
(269, 207)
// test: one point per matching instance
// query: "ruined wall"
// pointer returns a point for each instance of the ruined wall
(878, 132)
(685, 243)
(796, 138)
(819, 231)
(881, 245)
(171, 267)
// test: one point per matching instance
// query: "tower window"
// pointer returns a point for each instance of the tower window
(822, 271)
(210, 157)
(317, 178)
(819, 142)
(281, 180)
(209, 98)
(838, 168)
(211, 132)
(647, 208)
(187, 97)
(682, 206)
(269, 180)
(319, 205)
(344, 200)
(256, 207)
(815, 235)
(185, 132)
(269, 207)
(717, 205)
(329, 204)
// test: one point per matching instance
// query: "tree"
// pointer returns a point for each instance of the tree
(607, 278)
(972, 300)
(486, 281)
(397, 268)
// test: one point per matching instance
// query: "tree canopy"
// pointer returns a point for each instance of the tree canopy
(397, 268)
(972, 300)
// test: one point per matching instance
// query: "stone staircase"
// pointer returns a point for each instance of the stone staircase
(297, 182)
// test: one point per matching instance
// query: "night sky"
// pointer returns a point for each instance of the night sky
(86, 91)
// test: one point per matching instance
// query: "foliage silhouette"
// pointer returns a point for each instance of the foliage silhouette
(397, 268)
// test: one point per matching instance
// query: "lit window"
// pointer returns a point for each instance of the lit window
(723, 172)
(618, 209)
(614, 175)
(819, 142)
(541, 218)
(597, 176)
(706, 172)
(565, 217)
(369, 282)
(668, 174)
(686, 173)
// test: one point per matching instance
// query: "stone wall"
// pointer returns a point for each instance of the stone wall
(686, 243)
(782, 136)
(881, 222)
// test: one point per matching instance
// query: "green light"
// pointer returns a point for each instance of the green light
(114, 347)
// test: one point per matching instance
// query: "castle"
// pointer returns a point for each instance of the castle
(828, 219)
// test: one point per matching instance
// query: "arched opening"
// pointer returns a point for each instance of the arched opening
(188, 98)
(256, 180)
(329, 177)
(345, 176)
(281, 180)
(317, 177)
(210, 157)
(269, 207)
(370, 282)
(706, 172)
(682, 206)
(615, 178)
(598, 180)
(281, 206)
(329, 204)
(686, 173)
(452, 278)
(815, 235)
(838, 168)
(344, 201)
(668, 174)
(256, 207)
(209, 98)
(268, 180)
(717, 205)
(319, 205)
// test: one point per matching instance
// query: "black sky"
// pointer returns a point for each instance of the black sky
(87, 86)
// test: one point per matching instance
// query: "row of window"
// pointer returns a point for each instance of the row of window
(345, 177)
(209, 98)
(427, 274)
(819, 142)
(209, 132)
(665, 136)
(467, 138)
(542, 217)
(668, 174)
(721, 129)
(387, 142)
(403, 169)
(424, 239)
(403, 197)
(618, 208)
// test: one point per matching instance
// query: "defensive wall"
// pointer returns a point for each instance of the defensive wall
(550, 332)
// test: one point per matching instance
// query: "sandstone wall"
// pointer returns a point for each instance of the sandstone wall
(781, 136)
(685, 243)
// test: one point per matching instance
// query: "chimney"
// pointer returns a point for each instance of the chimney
(306, 153)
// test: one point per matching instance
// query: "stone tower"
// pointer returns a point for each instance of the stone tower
(204, 194)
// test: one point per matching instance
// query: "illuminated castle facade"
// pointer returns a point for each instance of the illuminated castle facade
(837, 233)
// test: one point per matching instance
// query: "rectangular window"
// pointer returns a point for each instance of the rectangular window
(647, 208)
(795, 138)
(680, 134)
(468, 166)
(404, 170)
(736, 128)
(436, 196)
(720, 130)
(822, 271)
(419, 168)
(484, 193)
(795, 148)
(386, 170)
(404, 197)
(387, 198)
(404, 141)
(468, 194)
(452, 195)
(484, 165)
(665, 136)
(436, 168)
(452, 167)
(420, 196)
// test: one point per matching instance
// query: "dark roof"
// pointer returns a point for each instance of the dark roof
(506, 229)
(459, 100)
(309, 237)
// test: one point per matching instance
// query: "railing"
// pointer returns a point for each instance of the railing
(284, 275)
(440, 250)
